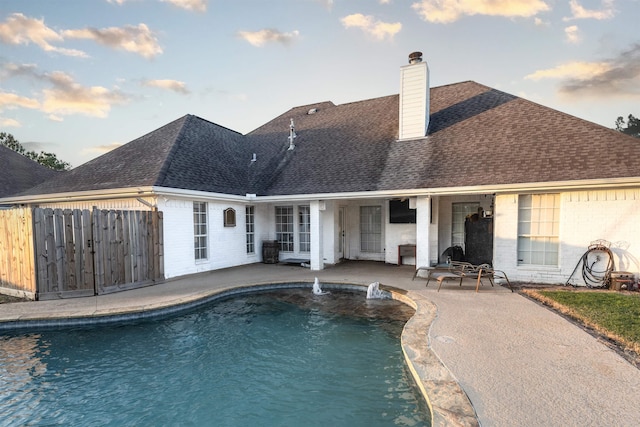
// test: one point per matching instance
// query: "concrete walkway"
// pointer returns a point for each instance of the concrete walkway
(518, 363)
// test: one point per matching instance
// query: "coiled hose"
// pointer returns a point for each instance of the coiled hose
(595, 278)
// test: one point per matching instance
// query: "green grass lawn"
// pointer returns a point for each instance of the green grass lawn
(613, 314)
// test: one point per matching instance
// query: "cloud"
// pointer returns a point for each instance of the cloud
(573, 34)
(618, 76)
(9, 123)
(268, 35)
(64, 96)
(540, 23)
(447, 11)
(55, 118)
(140, 40)
(101, 149)
(328, 4)
(578, 70)
(11, 101)
(21, 30)
(192, 5)
(10, 69)
(68, 97)
(579, 12)
(174, 85)
(367, 23)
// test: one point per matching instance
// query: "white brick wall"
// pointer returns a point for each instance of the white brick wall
(399, 234)
(227, 245)
(585, 216)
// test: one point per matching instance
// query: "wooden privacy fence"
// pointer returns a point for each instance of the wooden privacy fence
(17, 273)
(82, 252)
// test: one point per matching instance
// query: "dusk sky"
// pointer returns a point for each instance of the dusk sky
(80, 77)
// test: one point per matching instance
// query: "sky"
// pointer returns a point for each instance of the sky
(81, 77)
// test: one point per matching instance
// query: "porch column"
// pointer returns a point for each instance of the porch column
(316, 256)
(423, 222)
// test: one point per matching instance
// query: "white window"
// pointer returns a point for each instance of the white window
(200, 230)
(284, 227)
(251, 229)
(371, 229)
(538, 229)
(458, 217)
(304, 228)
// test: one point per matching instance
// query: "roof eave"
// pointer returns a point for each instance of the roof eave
(77, 196)
(198, 195)
(532, 187)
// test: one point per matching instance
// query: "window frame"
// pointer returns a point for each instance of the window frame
(371, 232)
(538, 242)
(250, 228)
(200, 231)
(285, 230)
(304, 228)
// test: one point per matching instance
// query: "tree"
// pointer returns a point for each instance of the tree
(632, 127)
(46, 159)
(10, 142)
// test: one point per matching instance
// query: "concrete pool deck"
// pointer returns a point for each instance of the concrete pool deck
(518, 363)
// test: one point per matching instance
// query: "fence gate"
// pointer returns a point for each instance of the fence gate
(82, 252)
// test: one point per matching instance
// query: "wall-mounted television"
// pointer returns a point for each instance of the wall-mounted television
(399, 212)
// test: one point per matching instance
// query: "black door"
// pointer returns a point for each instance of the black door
(478, 240)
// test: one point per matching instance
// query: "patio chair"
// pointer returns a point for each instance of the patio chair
(452, 254)
(460, 270)
(487, 271)
(453, 270)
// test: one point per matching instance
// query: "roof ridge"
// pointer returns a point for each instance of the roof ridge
(214, 123)
(166, 164)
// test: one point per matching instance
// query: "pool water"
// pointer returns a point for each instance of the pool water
(278, 358)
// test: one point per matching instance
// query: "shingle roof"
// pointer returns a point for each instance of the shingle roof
(477, 136)
(18, 173)
(481, 136)
(338, 148)
(188, 153)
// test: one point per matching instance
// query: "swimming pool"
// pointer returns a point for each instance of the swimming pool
(284, 358)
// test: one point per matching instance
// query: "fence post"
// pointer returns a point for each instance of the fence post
(88, 251)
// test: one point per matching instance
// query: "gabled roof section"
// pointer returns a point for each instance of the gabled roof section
(19, 173)
(209, 158)
(188, 153)
(337, 149)
(477, 136)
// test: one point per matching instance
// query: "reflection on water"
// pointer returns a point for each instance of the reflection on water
(284, 358)
(20, 367)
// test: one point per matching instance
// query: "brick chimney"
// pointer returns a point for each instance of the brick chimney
(414, 98)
